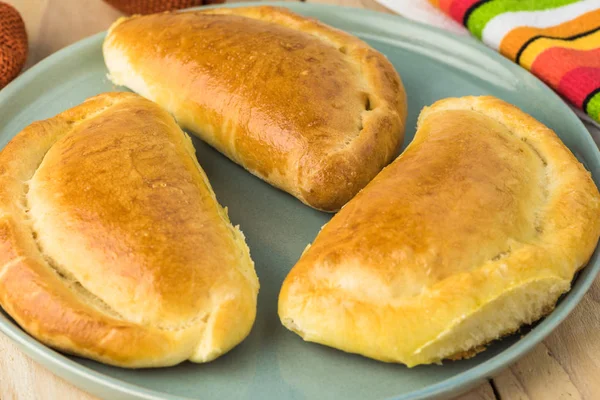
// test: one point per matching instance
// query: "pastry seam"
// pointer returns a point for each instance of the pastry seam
(544, 187)
(324, 35)
(64, 276)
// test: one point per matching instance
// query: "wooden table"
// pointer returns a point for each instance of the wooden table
(564, 366)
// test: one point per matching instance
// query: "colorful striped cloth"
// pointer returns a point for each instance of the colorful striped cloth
(557, 40)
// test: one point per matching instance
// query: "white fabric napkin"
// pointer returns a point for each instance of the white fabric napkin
(423, 11)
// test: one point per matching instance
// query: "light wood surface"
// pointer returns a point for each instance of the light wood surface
(565, 366)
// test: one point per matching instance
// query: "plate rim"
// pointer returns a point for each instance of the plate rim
(83, 377)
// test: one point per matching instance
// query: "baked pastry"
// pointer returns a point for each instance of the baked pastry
(310, 109)
(476, 229)
(112, 243)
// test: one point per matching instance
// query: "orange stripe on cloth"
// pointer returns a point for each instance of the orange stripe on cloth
(536, 48)
(517, 38)
(435, 3)
(554, 63)
(444, 5)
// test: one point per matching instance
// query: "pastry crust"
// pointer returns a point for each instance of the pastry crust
(105, 222)
(310, 109)
(476, 229)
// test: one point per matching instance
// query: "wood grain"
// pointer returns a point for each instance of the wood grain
(483, 392)
(23, 379)
(565, 366)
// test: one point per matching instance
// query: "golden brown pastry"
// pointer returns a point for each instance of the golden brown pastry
(476, 229)
(310, 109)
(112, 243)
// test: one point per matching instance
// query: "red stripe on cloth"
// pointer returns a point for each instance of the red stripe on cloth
(553, 64)
(445, 5)
(578, 83)
(458, 8)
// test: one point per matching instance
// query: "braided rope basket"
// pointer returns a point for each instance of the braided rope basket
(155, 6)
(13, 44)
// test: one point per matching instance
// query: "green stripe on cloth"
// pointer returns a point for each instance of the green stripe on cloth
(593, 107)
(484, 13)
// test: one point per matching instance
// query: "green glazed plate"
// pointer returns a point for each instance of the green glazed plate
(273, 363)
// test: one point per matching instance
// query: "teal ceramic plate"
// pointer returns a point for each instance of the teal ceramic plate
(273, 363)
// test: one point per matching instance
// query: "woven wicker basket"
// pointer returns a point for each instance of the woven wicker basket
(13, 44)
(155, 6)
